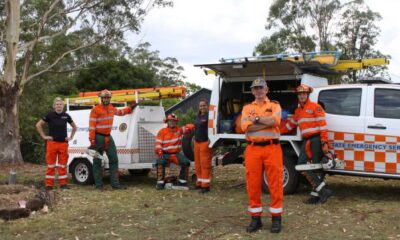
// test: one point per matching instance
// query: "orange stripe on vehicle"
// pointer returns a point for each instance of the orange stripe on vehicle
(211, 107)
(359, 137)
(210, 123)
(380, 138)
(358, 156)
(338, 136)
(369, 166)
(349, 165)
(391, 167)
(380, 157)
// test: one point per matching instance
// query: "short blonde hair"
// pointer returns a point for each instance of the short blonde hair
(57, 99)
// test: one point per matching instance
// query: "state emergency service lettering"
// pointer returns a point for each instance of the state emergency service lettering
(367, 152)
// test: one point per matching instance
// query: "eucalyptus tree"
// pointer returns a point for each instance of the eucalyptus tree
(28, 28)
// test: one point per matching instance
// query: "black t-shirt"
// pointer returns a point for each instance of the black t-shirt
(58, 125)
(201, 128)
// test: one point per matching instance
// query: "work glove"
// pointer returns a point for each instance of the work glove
(92, 144)
(134, 105)
(159, 153)
(188, 129)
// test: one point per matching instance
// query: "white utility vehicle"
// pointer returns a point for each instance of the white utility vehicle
(363, 119)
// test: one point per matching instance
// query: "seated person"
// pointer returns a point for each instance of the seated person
(168, 149)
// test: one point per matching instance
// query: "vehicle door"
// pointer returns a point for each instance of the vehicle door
(382, 128)
(345, 118)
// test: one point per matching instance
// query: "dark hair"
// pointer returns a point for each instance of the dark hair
(203, 100)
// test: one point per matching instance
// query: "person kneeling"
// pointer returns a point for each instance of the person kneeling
(168, 149)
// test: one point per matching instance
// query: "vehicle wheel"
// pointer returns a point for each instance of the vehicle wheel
(188, 146)
(139, 172)
(290, 177)
(82, 172)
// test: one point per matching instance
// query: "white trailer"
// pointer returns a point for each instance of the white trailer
(134, 134)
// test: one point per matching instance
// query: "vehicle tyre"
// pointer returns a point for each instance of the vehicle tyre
(139, 172)
(82, 172)
(290, 177)
(188, 146)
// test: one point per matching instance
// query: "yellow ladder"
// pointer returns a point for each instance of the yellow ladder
(130, 95)
(340, 66)
(348, 65)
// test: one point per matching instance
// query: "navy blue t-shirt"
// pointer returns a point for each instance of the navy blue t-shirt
(201, 128)
(58, 125)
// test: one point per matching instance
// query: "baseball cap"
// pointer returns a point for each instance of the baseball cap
(258, 82)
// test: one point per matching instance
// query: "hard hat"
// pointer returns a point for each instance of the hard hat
(171, 116)
(258, 82)
(105, 93)
(304, 89)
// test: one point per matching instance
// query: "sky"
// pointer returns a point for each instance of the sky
(204, 31)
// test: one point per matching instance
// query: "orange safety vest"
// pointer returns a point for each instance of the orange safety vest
(169, 140)
(267, 109)
(102, 117)
(311, 120)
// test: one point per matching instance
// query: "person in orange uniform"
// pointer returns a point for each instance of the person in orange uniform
(100, 125)
(202, 152)
(310, 117)
(260, 122)
(168, 149)
(56, 143)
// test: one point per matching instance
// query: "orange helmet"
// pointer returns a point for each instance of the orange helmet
(303, 89)
(105, 93)
(171, 116)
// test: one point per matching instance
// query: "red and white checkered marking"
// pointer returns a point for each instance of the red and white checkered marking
(366, 152)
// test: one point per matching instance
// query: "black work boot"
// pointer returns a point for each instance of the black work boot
(276, 224)
(324, 194)
(119, 187)
(196, 187)
(314, 199)
(205, 190)
(255, 224)
(160, 177)
(160, 186)
(181, 183)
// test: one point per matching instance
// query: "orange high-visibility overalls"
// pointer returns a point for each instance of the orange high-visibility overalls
(202, 152)
(311, 121)
(263, 152)
(169, 141)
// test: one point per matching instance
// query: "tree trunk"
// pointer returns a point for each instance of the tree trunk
(9, 128)
(10, 88)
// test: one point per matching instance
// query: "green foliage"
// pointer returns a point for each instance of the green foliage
(188, 117)
(167, 71)
(325, 25)
(114, 75)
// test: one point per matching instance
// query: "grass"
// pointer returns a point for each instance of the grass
(362, 208)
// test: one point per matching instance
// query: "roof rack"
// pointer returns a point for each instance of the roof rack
(371, 80)
(326, 58)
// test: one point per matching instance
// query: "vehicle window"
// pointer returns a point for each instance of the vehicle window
(341, 101)
(387, 103)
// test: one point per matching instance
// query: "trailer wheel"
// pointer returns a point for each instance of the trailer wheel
(188, 146)
(82, 172)
(139, 172)
(290, 177)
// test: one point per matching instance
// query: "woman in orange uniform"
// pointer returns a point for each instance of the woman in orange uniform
(202, 152)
